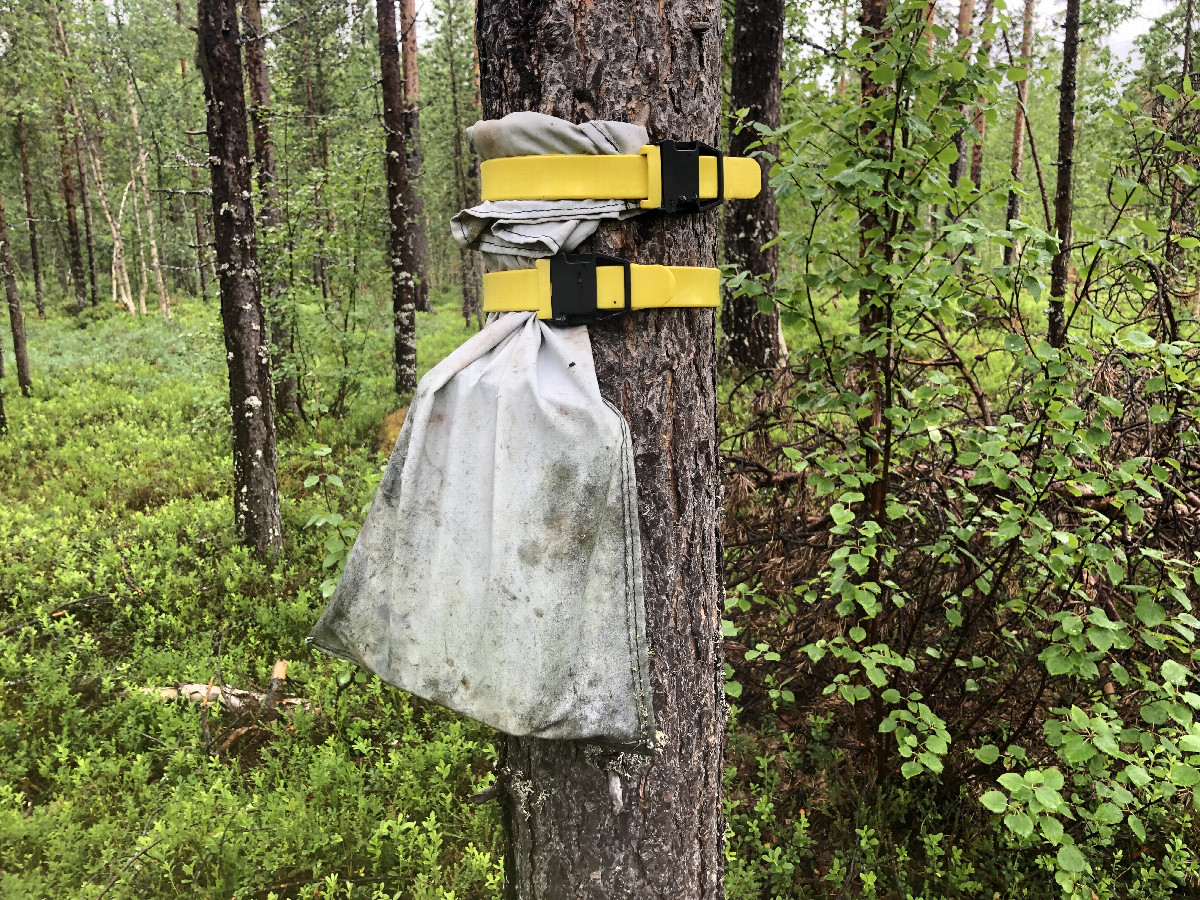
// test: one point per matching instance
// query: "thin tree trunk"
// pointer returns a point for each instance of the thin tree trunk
(39, 296)
(204, 265)
(121, 274)
(752, 338)
(15, 318)
(1013, 212)
(67, 182)
(471, 307)
(256, 508)
(88, 221)
(966, 15)
(1063, 205)
(287, 401)
(401, 252)
(414, 202)
(143, 272)
(980, 121)
(160, 283)
(579, 823)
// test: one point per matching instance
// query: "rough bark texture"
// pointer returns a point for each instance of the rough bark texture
(39, 296)
(400, 248)
(582, 823)
(67, 184)
(1018, 140)
(1063, 201)
(15, 318)
(287, 401)
(413, 201)
(752, 339)
(255, 488)
(471, 306)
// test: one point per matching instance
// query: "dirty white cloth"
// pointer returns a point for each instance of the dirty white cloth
(513, 233)
(498, 572)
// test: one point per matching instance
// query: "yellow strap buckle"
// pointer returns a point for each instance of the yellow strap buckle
(670, 177)
(578, 289)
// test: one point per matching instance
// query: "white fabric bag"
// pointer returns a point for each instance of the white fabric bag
(498, 572)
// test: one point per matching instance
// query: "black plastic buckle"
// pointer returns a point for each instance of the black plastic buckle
(681, 176)
(573, 292)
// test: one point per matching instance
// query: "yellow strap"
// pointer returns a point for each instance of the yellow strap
(650, 286)
(607, 178)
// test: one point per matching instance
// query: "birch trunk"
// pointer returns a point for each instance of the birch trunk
(160, 283)
(581, 823)
(256, 508)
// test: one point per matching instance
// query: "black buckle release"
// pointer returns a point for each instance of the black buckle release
(573, 291)
(681, 176)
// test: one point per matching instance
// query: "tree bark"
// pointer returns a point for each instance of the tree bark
(287, 401)
(400, 248)
(255, 486)
(39, 296)
(160, 283)
(980, 121)
(966, 13)
(581, 823)
(204, 266)
(88, 221)
(143, 270)
(471, 307)
(752, 338)
(1063, 205)
(67, 184)
(15, 318)
(414, 202)
(1018, 141)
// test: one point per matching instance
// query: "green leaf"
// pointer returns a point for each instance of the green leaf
(334, 480)
(987, 754)
(1052, 828)
(1174, 673)
(1071, 860)
(996, 801)
(840, 514)
(733, 689)
(312, 480)
(1019, 824)
(1183, 775)
(1136, 826)
(1151, 614)
(1016, 73)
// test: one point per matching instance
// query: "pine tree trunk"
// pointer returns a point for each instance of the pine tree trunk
(67, 183)
(39, 296)
(752, 338)
(89, 225)
(471, 307)
(581, 823)
(287, 401)
(15, 318)
(400, 248)
(255, 486)
(160, 283)
(1016, 164)
(413, 201)
(1063, 201)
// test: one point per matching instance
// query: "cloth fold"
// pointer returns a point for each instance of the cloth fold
(512, 233)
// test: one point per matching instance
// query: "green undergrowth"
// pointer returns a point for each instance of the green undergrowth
(120, 577)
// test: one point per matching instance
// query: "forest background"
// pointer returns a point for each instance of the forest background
(961, 512)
